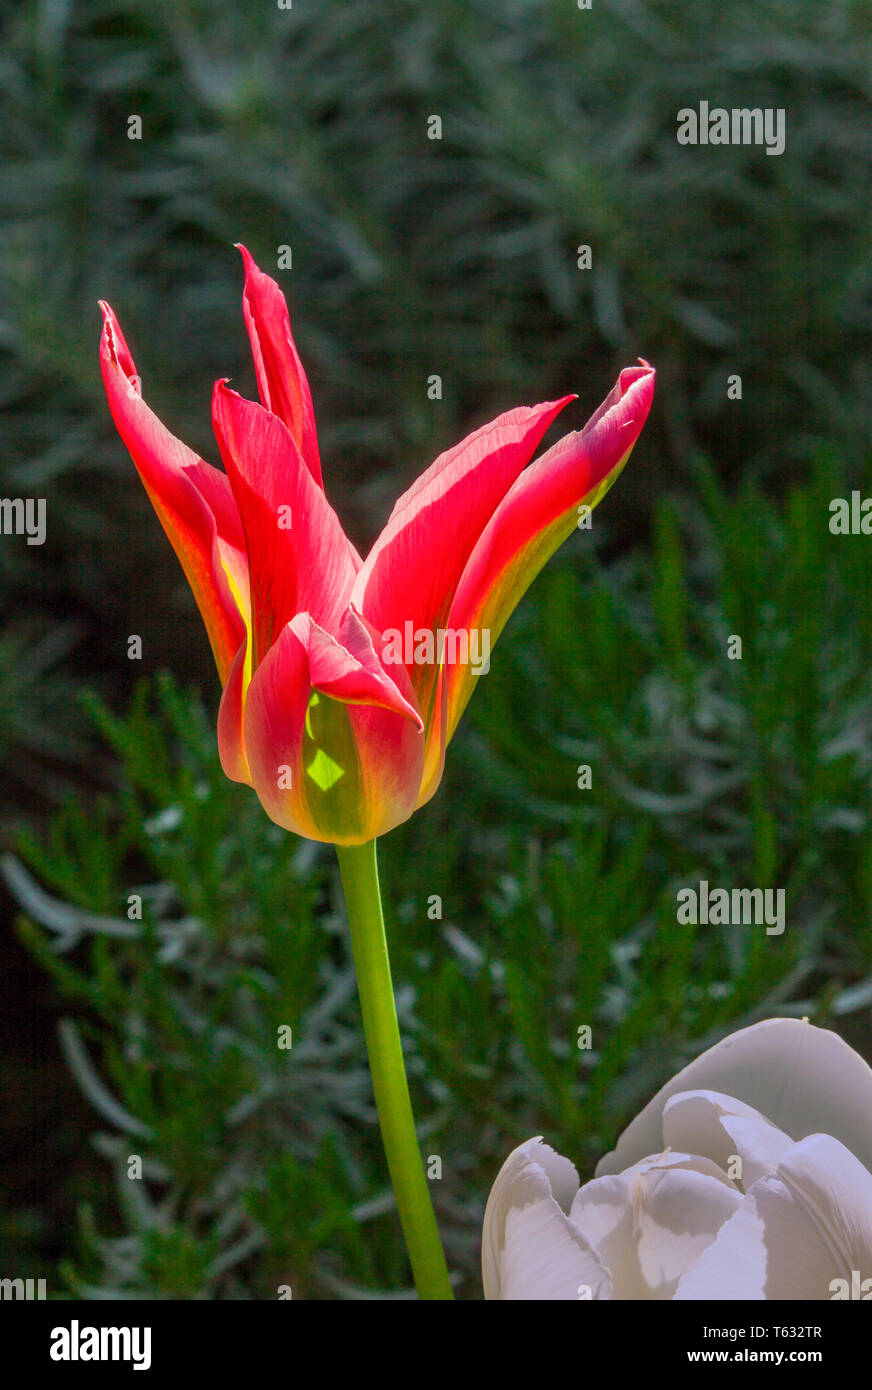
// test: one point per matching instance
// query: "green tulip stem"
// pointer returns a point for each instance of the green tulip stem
(359, 869)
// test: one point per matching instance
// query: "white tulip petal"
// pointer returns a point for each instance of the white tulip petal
(651, 1222)
(722, 1128)
(545, 1257)
(797, 1231)
(530, 1248)
(803, 1079)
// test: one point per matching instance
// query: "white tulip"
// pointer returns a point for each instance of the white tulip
(748, 1176)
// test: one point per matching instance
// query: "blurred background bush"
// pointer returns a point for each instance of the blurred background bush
(307, 128)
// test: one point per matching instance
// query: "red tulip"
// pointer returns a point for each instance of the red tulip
(344, 679)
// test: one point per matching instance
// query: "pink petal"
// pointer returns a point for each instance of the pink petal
(299, 557)
(231, 715)
(537, 514)
(193, 500)
(412, 571)
(329, 721)
(349, 670)
(281, 381)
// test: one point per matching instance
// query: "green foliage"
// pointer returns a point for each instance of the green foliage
(41, 732)
(262, 1166)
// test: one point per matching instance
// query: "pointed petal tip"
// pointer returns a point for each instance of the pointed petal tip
(109, 323)
(106, 333)
(248, 260)
(254, 276)
(404, 707)
(115, 355)
(640, 381)
(630, 375)
(222, 390)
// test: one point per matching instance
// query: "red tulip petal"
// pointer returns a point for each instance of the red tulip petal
(357, 647)
(335, 754)
(299, 557)
(281, 381)
(538, 513)
(193, 500)
(231, 719)
(411, 573)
